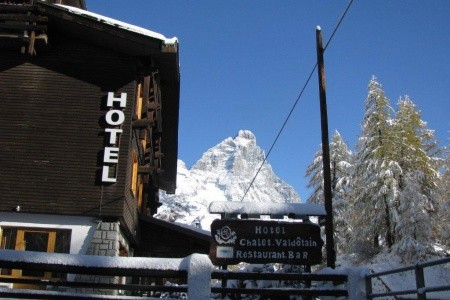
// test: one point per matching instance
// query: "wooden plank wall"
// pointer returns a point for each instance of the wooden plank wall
(52, 131)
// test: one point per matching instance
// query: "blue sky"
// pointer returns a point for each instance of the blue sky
(244, 63)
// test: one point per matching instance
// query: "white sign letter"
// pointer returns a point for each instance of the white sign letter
(111, 155)
(114, 133)
(120, 117)
(122, 100)
(105, 175)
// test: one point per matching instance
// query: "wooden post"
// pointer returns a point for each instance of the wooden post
(329, 232)
(420, 282)
(369, 292)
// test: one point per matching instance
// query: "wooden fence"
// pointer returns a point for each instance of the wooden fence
(96, 277)
(193, 277)
(306, 284)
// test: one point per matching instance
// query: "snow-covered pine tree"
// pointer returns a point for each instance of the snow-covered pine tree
(417, 183)
(374, 186)
(315, 173)
(443, 217)
(413, 225)
(340, 157)
(341, 167)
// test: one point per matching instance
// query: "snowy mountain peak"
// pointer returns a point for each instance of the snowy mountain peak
(224, 173)
(233, 155)
(246, 134)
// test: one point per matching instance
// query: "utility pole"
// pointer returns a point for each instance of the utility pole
(329, 231)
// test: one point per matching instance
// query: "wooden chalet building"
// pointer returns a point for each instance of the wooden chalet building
(89, 133)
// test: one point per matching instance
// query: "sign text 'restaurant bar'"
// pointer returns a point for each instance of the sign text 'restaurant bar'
(257, 241)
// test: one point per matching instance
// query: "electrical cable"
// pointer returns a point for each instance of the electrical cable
(280, 131)
(297, 100)
(338, 24)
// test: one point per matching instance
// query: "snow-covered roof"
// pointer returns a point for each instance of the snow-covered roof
(258, 208)
(119, 24)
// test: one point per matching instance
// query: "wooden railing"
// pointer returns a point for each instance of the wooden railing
(193, 277)
(145, 277)
(421, 289)
(305, 284)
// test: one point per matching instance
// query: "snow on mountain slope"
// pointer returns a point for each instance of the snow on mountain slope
(223, 174)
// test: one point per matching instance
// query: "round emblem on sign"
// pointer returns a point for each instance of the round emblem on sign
(225, 235)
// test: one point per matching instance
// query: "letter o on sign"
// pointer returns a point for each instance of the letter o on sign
(115, 114)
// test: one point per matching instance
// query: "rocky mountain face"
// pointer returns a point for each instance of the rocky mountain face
(223, 173)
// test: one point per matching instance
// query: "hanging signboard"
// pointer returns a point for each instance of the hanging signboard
(259, 241)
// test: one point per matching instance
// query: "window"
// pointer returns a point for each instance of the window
(140, 193)
(34, 239)
(139, 100)
(134, 175)
(136, 184)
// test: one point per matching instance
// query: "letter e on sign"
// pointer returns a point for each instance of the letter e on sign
(111, 155)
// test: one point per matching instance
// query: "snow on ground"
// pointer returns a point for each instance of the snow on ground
(434, 276)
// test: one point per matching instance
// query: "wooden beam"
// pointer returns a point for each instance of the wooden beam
(23, 18)
(152, 105)
(31, 27)
(147, 169)
(16, 8)
(142, 123)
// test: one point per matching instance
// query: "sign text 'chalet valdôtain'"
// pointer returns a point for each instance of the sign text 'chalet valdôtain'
(259, 241)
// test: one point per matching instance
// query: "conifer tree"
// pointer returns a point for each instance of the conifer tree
(340, 157)
(315, 173)
(374, 180)
(443, 218)
(417, 183)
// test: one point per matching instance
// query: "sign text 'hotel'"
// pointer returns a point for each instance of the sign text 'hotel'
(114, 119)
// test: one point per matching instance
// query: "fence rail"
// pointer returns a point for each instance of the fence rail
(96, 277)
(306, 279)
(421, 289)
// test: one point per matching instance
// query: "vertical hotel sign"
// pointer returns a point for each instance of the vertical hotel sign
(114, 119)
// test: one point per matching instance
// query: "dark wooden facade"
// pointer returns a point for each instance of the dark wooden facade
(52, 116)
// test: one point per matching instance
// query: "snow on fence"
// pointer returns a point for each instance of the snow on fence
(196, 271)
(196, 268)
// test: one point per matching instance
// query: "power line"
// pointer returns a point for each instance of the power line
(280, 131)
(338, 24)
(298, 99)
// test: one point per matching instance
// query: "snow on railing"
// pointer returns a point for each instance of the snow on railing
(198, 267)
